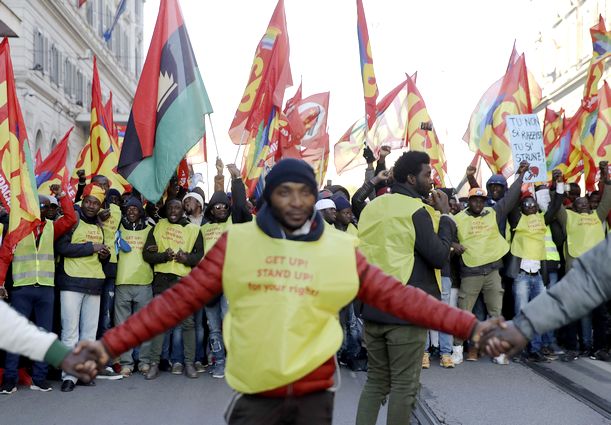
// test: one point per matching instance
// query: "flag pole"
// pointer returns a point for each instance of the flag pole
(213, 136)
(322, 164)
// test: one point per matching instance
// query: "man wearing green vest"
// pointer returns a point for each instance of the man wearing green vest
(173, 248)
(408, 239)
(110, 218)
(81, 275)
(528, 248)
(482, 247)
(282, 329)
(33, 264)
(584, 229)
(220, 214)
(134, 277)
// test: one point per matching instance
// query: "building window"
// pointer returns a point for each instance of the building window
(67, 78)
(108, 21)
(39, 51)
(101, 17)
(80, 99)
(54, 68)
(137, 63)
(88, 95)
(125, 51)
(138, 9)
(89, 7)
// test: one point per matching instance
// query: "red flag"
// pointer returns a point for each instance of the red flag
(113, 132)
(38, 159)
(182, 172)
(270, 75)
(52, 168)
(17, 185)
(370, 86)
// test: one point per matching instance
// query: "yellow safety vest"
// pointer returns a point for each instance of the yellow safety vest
(211, 232)
(387, 235)
(110, 228)
(88, 267)
(131, 267)
(352, 230)
(583, 232)
(35, 265)
(529, 237)
(176, 237)
(551, 251)
(481, 238)
(285, 296)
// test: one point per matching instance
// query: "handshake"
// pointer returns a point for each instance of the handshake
(496, 336)
(84, 362)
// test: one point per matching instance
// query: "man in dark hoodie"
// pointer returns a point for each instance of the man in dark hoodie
(81, 275)
(173, 248)
(284, 298)
(220, 214)
(134, 277)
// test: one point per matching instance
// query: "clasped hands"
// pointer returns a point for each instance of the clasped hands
(85, 360)
(496, 336)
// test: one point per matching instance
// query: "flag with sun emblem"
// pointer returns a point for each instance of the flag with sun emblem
(167, 116)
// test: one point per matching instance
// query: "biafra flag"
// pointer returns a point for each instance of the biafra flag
(167, 116)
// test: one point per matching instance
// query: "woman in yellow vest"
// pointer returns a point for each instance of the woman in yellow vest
(134, 277)
(80, 274)
(33, 276)
(282, 330)
(173, 248)
(220, 214)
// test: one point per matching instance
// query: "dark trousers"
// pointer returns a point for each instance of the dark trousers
(310, 409)
(107, 300)
(39, 301)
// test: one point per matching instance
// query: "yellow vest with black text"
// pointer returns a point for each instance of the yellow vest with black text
(88, 267)
(284, 298)
(529, 237)
(35, 264)
(583, 232)
(211, 232)
(387, 235)
(131, 267)
(110, 228)
(177, 237)
(481, 238)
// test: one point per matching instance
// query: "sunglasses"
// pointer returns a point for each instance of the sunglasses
(220, 207)
(529, 204)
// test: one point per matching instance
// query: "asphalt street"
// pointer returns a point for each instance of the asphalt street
(472, 394)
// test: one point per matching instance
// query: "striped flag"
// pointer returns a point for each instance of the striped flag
(553, 126)
(370, 86)
(167, 116)
(601, 50)
(18, 191)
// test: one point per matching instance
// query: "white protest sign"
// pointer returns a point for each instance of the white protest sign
(527, 145)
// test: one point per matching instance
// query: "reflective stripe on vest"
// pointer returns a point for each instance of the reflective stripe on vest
(211, 232)
(285, 296)
(110, 228)
(529, 237)
(35, 265)
(583, 232)
(176, 237)
(481, 238)
(88, 267)
(387, 235)
(131, 267)
(551, 251)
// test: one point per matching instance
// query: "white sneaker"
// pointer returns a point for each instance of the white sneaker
(501, 359)
(457, 354)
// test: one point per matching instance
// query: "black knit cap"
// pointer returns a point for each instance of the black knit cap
(289, 170)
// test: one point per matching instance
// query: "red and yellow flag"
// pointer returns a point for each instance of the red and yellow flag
(553, 126)
(258, 121)
(370, 86)
(421, 136)
(601, 50)
(595, 136)
(18, 191)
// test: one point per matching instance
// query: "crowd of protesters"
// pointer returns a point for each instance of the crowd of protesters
(91, 265)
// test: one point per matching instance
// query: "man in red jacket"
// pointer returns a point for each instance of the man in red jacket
(282, 329)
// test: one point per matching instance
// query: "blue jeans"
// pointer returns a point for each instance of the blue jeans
(80, 313)
(107, 306)
(446, 340)
(178, 353)
(27, 300)
(215, 314)
(549, 338)
(200, 352)
(525, 288)
(352, 331)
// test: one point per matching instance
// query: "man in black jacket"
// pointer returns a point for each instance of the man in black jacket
(403, 235)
